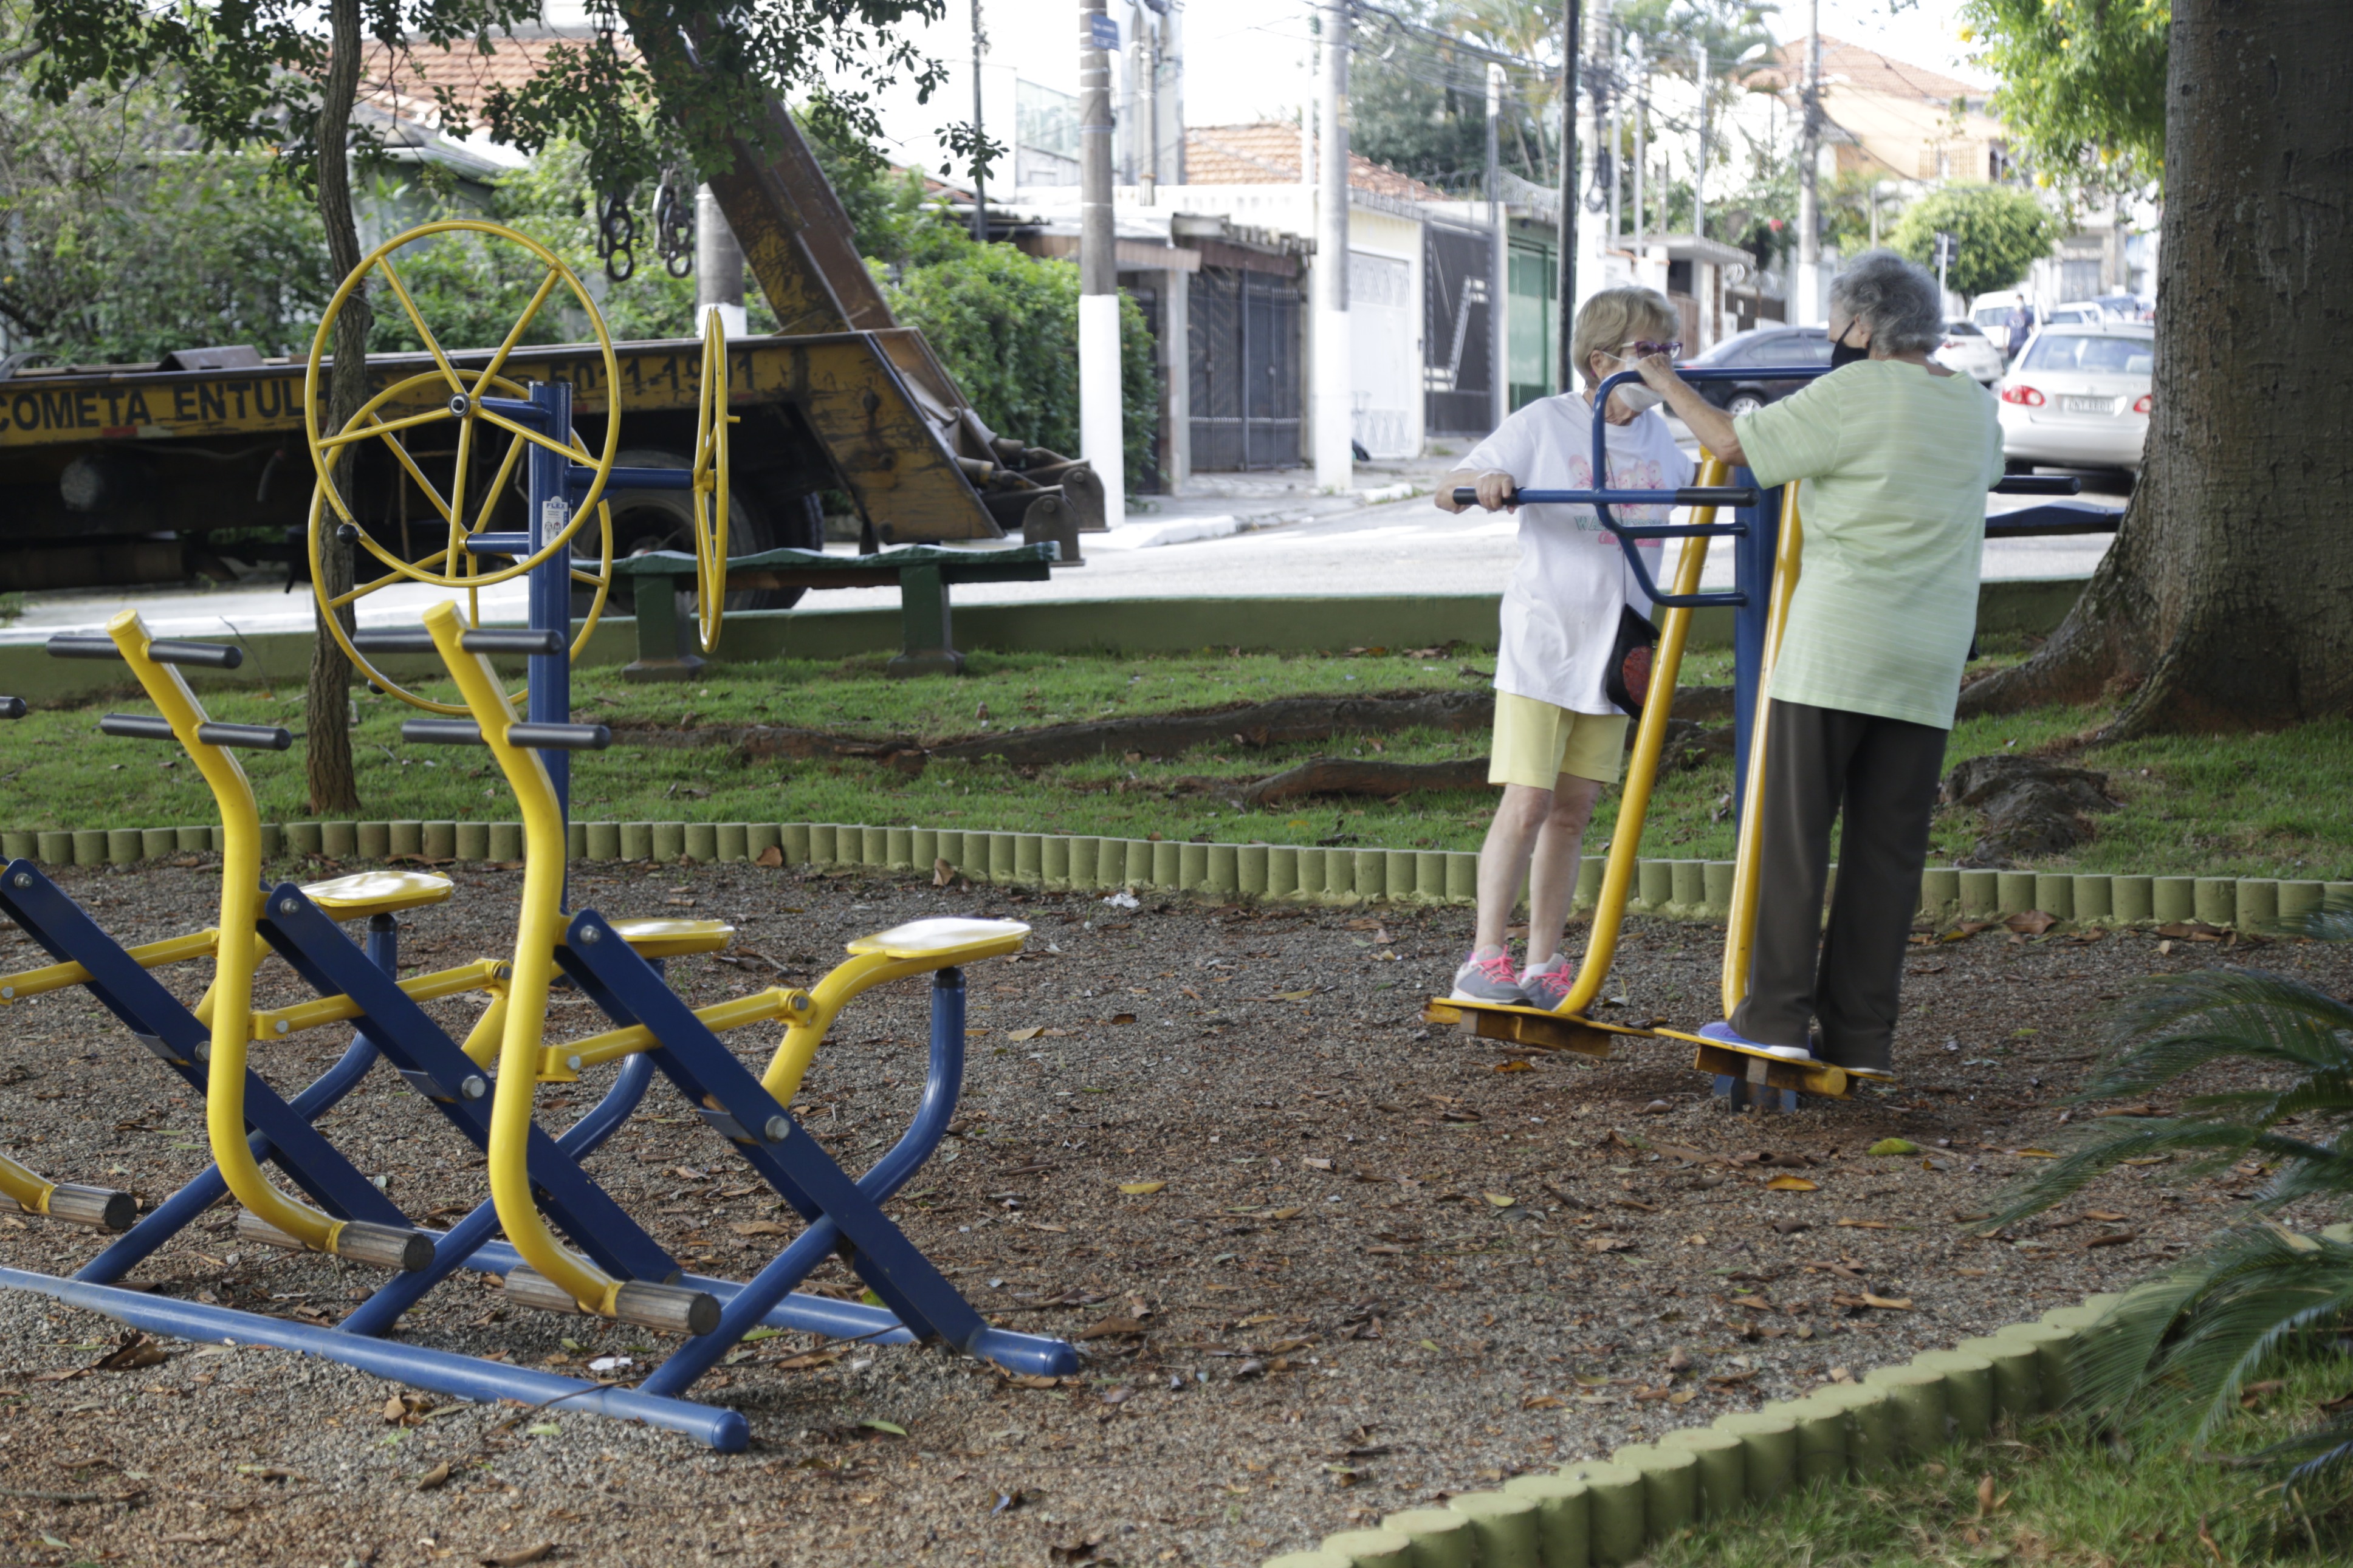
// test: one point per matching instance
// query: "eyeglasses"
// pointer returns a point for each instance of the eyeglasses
(1644, 349)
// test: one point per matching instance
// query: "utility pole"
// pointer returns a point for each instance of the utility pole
(1641, 144)
(1807, 307)
(718, 267)
(1147, 53)
(1336, 400)
(1308, 110)
(980, 175)
(1699, 170)
(1498, 259)
(1099, 399)
(1616, 199)
(1572, 189)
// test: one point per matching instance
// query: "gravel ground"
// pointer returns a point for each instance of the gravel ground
(1386, 1261)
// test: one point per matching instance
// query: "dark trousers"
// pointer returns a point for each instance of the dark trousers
(1884, 773)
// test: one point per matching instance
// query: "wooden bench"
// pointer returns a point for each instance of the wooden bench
(923, 574)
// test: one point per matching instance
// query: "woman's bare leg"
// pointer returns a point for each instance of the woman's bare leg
(1512, 837)
(1558, 858)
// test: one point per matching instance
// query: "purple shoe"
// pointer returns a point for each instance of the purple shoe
(1724, 1032)
(1490, 980)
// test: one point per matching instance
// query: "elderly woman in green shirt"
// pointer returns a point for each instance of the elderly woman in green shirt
(1896, 454)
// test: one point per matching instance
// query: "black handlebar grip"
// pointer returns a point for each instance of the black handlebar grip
(81, 645)
(250, 737)
(1466, 496)
(442, 732)
(2038, 485)
(398, 640)
(505, 639)
(561, 737)
(136, 727)
(203, 655)
(1716, 495)
(12, 708)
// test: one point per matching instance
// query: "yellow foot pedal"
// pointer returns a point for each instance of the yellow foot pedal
(101, 1208)
(1533, 1026)
(1762, 1069)
(671, 1307)
(673, 939)
(947, 939)
(367, 893)
(382, 1246)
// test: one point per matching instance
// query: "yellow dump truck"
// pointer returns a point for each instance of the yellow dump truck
(121, 474)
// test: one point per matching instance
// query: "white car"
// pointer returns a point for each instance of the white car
(2078, 396)
(1969, 350)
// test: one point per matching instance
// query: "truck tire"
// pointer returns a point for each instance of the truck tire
(664, 520)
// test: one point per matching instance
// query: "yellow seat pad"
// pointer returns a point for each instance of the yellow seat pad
(673, 939)
(949, 939)
(376, 892)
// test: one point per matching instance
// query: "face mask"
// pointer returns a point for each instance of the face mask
(1844, 352)
(1634, 395)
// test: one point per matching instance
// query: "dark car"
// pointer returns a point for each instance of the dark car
(1763, 349)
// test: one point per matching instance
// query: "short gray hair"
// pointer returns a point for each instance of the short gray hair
(1897, 299)
(1614, 317)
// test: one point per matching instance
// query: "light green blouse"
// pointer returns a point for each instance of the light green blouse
(1896, 463)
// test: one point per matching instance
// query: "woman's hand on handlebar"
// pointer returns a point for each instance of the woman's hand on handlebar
(1497, 490)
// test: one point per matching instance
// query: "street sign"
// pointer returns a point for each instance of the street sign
(1105, 31)
(1948, 245)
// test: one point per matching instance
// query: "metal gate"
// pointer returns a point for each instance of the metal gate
(1244, 329)
(1458, 372)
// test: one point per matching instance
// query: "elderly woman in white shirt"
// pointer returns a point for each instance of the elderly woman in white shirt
(1558, 738)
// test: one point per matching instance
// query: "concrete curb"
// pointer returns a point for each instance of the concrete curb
(1289, 873)
(1595, 1515)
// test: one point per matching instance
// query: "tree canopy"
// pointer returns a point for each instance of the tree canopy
(2001, 233)
(2083, 85)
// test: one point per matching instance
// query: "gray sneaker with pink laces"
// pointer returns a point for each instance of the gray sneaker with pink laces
(1490, 979)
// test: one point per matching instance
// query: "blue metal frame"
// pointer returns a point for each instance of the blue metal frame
(842, 1215)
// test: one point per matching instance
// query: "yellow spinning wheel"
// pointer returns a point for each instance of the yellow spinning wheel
(448, 394)
(711, 422)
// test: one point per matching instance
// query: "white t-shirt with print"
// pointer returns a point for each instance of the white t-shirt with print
(1561, 606)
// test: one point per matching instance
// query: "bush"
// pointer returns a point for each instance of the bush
(1005, 324)
(2001, 233)
(2181, 1350)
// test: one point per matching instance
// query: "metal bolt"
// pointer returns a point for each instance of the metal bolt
(22, 878)
(460, 405)
(204, 1050)
(592, 934)
(800, 1002)
(474, 1088)
(573, 1063)
(283, 1028)
(778, 1129)
(287, 906)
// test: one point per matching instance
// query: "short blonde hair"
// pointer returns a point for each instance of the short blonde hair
(1616, 317)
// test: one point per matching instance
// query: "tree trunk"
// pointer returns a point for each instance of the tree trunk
(327, 750)
(2227, 600)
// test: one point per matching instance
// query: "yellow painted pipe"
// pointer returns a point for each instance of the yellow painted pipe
(146, 955)
(30, 1192)
(232, 989)
(538, 928)
(1643, 766)
(735, 1013)
(1740, 936)
(277, 1023)
(827, 997)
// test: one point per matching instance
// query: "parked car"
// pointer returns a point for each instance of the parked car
(1971, 351)
(1762, 350)
(2078, 396)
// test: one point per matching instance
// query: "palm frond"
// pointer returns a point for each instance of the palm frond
(2222, 1143)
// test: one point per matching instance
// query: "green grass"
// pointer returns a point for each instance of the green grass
(2262, 806)
(2061, 1500)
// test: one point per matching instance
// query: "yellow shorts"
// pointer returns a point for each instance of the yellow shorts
(1535, 743)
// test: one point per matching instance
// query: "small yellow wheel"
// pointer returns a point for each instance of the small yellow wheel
(446, 395)
(711, 422)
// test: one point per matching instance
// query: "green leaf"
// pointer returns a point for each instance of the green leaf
(890, 1426)
(1895, 1146)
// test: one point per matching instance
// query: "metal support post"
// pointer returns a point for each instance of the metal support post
(550, 601)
